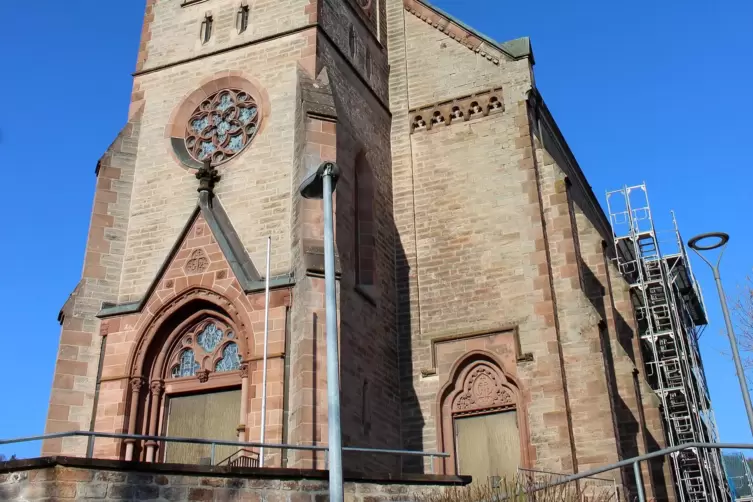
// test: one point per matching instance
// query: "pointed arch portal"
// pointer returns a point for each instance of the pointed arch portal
(482, 421)
(189, 378)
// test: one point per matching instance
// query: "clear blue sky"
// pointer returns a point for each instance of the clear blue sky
(643, 90)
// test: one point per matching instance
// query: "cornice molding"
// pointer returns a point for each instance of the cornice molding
(464, 108)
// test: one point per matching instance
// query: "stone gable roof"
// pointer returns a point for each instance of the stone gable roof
(462, 33)
(227, 238)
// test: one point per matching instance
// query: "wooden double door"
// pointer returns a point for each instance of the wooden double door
(488, 446)
(212, 415)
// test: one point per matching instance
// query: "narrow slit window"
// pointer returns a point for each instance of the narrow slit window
(242, 22)
(352, 42)
(206, 29)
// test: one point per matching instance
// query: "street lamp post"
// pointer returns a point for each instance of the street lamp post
(321, 185)
(721, 242)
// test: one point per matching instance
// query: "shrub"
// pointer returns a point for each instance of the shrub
(524, 489)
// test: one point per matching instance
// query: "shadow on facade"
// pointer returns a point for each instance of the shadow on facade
(412, 418)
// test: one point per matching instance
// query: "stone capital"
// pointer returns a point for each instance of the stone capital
(156, 387)
(136, 384)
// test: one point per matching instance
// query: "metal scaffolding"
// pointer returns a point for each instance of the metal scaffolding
(671, 316)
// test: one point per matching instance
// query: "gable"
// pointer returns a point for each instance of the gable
(208, 252)
(445, 60)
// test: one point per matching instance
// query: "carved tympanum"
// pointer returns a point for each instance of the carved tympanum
(482, 389)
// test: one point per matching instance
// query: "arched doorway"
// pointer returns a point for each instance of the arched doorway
(483, 423)
(189, 378)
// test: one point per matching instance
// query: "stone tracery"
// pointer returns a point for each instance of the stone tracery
(482, 389)
(222, 126)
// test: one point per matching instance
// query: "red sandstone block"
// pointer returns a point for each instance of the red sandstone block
(200, 495)
(68, 474)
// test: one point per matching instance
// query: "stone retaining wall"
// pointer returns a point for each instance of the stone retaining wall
(65, 478)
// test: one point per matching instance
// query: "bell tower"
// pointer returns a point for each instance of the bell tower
(250, 94)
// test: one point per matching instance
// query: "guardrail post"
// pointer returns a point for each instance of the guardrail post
(211, 456)
(639, 481)
(431, 464)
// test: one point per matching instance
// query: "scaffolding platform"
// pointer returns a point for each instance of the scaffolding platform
(671, 315)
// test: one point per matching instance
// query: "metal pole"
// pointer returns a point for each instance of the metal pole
(639, 481)
(333, 370)
(264, 357)
(211, 456)
(735, 350)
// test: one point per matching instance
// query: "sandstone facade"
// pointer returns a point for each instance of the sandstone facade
(469, 246)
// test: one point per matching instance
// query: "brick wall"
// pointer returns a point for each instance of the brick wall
(470, 251)
(175, 29)
(67, 479)
(165, 192)
(74, 383)
(356, 43)
(579, 313)
(599, 342)
(368, 367)
(442, 68)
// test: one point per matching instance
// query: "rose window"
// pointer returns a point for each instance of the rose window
(222, 126)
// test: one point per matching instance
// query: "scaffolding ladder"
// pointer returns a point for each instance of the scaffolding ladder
(670, 314)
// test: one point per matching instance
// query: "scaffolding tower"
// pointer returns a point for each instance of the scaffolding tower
(671, 315)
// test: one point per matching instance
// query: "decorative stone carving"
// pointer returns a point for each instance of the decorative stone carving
(482, 390)
(208, 177)
(203, 376)
(136, 384)
(244, 370)
(197, 262)
(463, 108)
(222, 126)
(156, 387)
(169, 308)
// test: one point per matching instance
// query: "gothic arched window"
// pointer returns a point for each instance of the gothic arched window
(208, 346)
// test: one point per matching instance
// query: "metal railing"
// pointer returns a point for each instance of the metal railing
(214, 443)
(532, 473)
(636, 461)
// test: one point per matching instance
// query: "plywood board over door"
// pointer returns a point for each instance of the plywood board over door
(488, 446)
(213, 415)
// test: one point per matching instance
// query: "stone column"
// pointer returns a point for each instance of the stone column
(156, 388)
(136, 384)
(242, 436)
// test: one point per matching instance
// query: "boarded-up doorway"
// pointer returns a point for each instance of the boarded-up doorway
(206, 416)
(488, 446)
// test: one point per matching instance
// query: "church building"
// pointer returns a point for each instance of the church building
(480, 310)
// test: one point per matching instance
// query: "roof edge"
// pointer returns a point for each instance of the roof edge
(515, 49)
(572, 169)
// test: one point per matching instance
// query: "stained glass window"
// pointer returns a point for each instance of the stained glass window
(222, 126)
(210, 337)
(187, 365)
(230, 361)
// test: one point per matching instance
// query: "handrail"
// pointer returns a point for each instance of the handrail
(227, 459)
(219, 442)
(635, 462)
